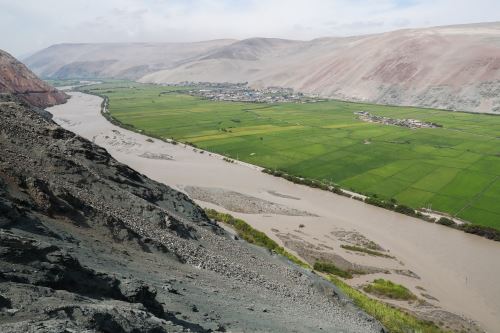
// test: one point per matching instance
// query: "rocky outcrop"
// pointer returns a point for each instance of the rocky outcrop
(17, 79)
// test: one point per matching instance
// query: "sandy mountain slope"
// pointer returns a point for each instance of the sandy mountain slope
(17, 79)
(446, 67)
(454, 67)
(114, 60)
(88, 244)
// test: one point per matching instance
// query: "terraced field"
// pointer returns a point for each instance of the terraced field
(455, 169)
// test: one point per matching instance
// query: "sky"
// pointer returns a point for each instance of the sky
(31, 25)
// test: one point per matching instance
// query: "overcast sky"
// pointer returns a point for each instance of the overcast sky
(30, 25)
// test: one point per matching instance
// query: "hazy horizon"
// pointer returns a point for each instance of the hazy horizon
(39, 25)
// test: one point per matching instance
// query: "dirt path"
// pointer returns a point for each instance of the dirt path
(459, 270)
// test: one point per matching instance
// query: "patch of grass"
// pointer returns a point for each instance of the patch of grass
(253, 236)
(329, 268)
(395, 320)
(365, 250)
(389, 289)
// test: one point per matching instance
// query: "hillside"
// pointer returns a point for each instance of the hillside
(17, 79)
(455, 67)
(115, 60)
(89, 244)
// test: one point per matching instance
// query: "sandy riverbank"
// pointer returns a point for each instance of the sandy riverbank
(459, 270)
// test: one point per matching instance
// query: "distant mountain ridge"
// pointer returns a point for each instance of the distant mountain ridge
(114, 60)
(452, 67)
(17, 79)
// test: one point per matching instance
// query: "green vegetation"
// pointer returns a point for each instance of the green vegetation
(62, 83)
(395, 320)
(329, 268)
(454, 169)
(324, 185)
(389, 289)
(365, 250)
(486, 232)
(446, 221)
(253, 236)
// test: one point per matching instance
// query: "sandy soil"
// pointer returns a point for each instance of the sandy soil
(458, 271)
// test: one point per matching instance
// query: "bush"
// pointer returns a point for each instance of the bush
(482, 231)
(405, 210)
(446, 221)
(379, 203)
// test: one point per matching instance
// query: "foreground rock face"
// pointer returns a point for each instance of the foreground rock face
(89, 245)
(17, 79)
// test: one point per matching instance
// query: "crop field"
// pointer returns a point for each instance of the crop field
(454, 169)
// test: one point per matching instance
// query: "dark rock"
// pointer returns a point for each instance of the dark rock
(5, 303)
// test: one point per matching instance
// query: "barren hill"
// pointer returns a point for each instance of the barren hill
(454, 67)
(115, 60)
(17, 79)
(450, 67)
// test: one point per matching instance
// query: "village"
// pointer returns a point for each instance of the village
(241, 92)
(409, 123)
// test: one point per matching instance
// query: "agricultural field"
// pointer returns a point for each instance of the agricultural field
(454, 169)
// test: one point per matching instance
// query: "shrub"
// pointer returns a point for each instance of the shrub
(379, 203)
(482, 231)
(446, 221)
(405, 210)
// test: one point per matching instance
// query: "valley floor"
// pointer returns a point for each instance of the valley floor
(460, 271)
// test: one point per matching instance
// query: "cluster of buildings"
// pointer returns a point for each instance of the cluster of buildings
(241, 92)
(409, 123)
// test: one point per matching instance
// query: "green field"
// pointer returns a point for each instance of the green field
(455, 169)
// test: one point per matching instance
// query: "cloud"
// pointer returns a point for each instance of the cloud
(37, 24)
